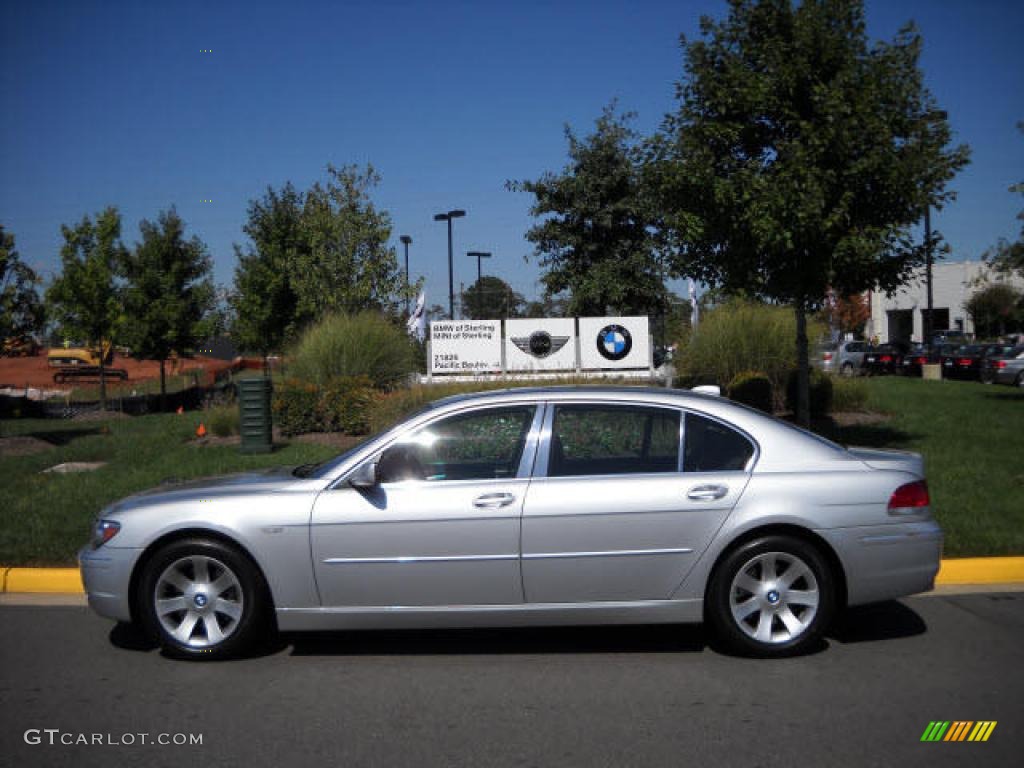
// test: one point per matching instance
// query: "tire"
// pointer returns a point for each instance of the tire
(846, 370)
(202, 599)
(756, 615)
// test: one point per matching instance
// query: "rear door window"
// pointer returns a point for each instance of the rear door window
(711, 446)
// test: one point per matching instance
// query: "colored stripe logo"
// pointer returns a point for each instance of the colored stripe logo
(958, 730)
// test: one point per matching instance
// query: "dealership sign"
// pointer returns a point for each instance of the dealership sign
(552, 344)
(465, 346)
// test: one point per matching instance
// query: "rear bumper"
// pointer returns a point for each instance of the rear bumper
(106, 575)
(887, 561)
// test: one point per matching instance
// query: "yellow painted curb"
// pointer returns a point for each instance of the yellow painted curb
(52, 580)
(981, 570)
(966, 570)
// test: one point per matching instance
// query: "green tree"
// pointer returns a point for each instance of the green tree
(491, 298)
(548, 305)
(594, 240)
(263, 302)
(21, 311)
(800, 157)
(996, 309)
(168, 292)
(86, 298)
(344, 263)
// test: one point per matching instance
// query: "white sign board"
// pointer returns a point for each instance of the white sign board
(465, 346)
(614, 342)
(540, 345)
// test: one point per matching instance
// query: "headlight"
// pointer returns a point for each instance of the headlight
(104, 531)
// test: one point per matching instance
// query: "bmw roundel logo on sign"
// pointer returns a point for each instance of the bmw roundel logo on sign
(614, 342)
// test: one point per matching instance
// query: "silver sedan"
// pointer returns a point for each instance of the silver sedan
(529, 507)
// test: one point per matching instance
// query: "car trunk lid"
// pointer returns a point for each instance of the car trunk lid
(900, 460)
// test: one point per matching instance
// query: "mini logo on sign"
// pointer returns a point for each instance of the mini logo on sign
(614, 342)
(540, 344)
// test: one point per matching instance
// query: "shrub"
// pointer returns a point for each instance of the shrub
(223, 420)
(366, 344)
(296, 406)
(740, 336)
(820, 395)
(849, 394)
(345, 405)
(752, 388)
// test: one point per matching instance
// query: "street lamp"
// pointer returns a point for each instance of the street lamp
(479, 255)
(928, 324)
(456, 214)
(406, 241)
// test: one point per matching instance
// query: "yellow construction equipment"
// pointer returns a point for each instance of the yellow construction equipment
(64, 357)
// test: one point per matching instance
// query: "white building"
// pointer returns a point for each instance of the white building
(900, 317)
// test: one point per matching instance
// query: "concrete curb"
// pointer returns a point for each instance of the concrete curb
(958, 571)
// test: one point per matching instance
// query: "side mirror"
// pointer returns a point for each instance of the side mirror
(365, 476)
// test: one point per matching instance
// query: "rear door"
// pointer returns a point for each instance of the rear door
(618, 510)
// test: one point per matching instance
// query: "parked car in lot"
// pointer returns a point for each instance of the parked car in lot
(1005, 365)
(964, 362)
(843, 357)
(547, 506)
(884, 358)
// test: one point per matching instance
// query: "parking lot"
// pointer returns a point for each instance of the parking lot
(594, 697)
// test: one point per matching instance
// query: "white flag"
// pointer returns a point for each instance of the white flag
(416, 325)
(694, 308)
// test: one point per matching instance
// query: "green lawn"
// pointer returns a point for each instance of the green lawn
(45, 519)
(972, 437)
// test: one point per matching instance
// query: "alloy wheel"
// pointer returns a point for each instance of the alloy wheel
(198, 601)
(774, 597)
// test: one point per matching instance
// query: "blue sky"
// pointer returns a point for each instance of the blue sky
(115, 103)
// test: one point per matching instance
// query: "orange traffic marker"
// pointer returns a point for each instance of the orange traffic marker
(201, 430)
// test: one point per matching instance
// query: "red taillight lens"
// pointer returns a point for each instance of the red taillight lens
(964, 361)
(885, 358)
(1000, 364)
(828, 355)
(909, 498)
(922, 360)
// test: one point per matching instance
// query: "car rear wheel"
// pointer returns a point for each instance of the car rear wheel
(771, 597)
(202, 599)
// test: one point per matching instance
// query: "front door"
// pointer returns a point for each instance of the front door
(442, 527)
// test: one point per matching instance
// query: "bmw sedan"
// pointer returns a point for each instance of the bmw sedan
(557, 506)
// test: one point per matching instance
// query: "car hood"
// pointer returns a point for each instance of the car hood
(207, 488)
(900, 460)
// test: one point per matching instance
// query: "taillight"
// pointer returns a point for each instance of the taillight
(828, 356)
(909, 499)
(1000, 364)
(964, 361)
(885, 358)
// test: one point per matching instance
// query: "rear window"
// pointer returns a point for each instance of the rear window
(711, 446)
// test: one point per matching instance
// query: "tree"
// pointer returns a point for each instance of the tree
(312, 253)
(345, 263)
(800, 157)
(168, 292)
(849, 314)
(595, 242)
(21, 311)
(548, 305)
(86, 297)
(996, 309)
(1006, 257)
(263, 301)
(490, 298)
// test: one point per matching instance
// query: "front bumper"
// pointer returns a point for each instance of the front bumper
(106, 574)
(883, 562)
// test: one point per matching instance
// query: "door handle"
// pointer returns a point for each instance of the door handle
(493, 500)
(707, 492)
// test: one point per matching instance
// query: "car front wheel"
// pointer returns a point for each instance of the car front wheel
(771, 597)
(202, 599)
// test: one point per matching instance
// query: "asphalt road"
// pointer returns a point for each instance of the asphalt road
(640, 696)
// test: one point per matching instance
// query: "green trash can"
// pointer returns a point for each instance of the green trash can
(255, 420)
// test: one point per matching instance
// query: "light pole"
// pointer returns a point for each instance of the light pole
(406, 241)
(928, 324)
(456, 214)
(479, 255)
